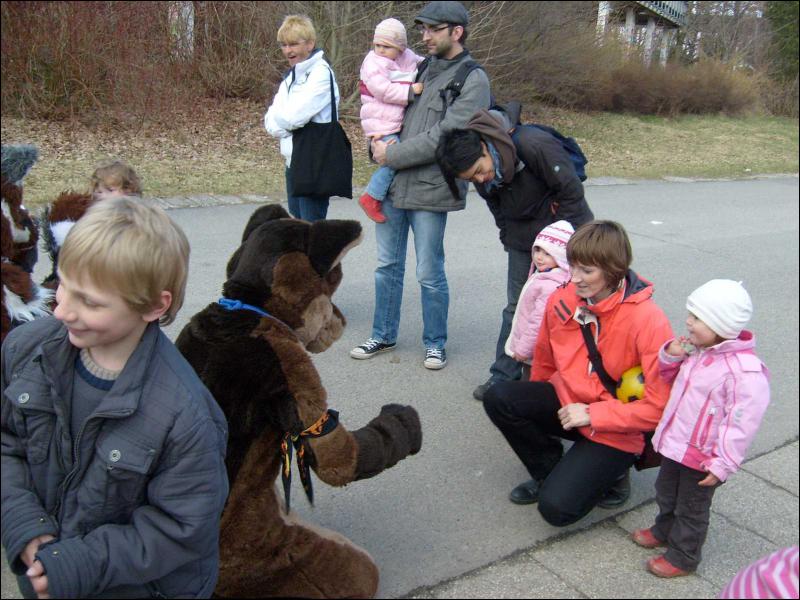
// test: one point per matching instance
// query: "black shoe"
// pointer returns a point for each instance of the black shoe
(618, 494)
(525, 493)
(479, 391)
(370, 348)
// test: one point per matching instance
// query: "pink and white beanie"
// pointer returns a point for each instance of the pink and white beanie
(392, 33)
(553, 239)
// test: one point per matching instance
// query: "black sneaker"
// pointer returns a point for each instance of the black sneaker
(481, 390)
(370, 348)
(525, 493)
(618, 494)
(435, 359)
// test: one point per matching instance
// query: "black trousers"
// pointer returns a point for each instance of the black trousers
(684, 513)
(525, 412)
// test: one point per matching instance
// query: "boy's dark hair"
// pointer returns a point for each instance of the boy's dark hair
(457, 151)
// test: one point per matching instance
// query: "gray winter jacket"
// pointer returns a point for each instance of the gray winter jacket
(134, 502)
(419, 183)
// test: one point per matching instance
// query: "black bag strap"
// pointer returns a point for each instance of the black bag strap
(597, 361)
(456, 84)
(334, 117)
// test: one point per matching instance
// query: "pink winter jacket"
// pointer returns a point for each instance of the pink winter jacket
(385, 90)
(719, 395)
(530, 310)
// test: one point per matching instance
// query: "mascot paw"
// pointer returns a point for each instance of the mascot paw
(409, 419)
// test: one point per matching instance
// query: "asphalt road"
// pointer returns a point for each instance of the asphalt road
(445, 511)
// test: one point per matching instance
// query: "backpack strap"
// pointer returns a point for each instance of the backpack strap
(457, 83)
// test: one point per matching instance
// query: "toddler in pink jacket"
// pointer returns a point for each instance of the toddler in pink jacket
(720, 390)
(549, 270)
(387, 86)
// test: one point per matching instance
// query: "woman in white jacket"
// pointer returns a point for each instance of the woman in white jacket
(303, 96)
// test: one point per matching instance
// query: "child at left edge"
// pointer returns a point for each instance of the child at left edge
(113, 472)
(387, 86)
(720, 390)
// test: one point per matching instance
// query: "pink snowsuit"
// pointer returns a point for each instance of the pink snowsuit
(530, 310)
(385, 91)
(719, 395)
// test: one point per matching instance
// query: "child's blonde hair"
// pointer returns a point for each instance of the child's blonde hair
(119, 175)
(133, 248)
(296, 28)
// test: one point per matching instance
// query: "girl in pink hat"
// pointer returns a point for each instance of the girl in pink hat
(387, 86)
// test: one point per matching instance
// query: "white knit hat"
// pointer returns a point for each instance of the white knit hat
(553, 239)
(723, 305)
(392, 33)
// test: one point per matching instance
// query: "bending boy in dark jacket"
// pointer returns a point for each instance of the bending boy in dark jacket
(528, 183)
(113, 474)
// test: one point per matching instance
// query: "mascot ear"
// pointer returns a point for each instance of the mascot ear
(270, 212)
(16, 160)
(329, 241)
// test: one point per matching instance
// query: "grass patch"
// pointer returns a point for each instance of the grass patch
(222, 148)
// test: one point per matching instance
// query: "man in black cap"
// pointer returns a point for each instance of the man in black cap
(419, 197)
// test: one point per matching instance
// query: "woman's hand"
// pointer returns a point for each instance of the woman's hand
(574, 415)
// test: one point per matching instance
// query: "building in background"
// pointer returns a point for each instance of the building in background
(643, 24)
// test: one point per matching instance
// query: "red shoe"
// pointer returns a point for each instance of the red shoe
(660, 566)
(646, 539)
(372, 207)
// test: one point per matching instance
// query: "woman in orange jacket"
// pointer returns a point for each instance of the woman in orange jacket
(567, 399)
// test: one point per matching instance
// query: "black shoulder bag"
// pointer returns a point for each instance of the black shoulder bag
(322, 158)
(649, 458)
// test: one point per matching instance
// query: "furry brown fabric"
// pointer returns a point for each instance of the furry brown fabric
(20, 233)
(260, 371)
(66, 209)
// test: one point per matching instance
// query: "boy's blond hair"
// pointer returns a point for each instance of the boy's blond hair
(117, 174)
(132, 248)
(296, 28)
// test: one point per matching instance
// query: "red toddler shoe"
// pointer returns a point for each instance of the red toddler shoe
(646, 539)
(372, 207)
(660, 566)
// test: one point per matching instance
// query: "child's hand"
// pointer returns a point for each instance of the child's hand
(677, 347)
(709, 480)
(417, 87)
(38, 579)
(31, 548)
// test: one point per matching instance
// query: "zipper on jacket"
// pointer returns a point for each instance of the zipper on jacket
(675, 411)
(706, 428)
(76, 462)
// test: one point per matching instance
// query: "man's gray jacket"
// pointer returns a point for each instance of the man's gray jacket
(419, 183)
(134, 502)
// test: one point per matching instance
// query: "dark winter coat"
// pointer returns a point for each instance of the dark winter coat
(134, 501)
(539, 184)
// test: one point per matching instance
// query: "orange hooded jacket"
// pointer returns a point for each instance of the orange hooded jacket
(629, 330)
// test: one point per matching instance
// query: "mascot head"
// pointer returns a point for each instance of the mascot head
(19, 230)
(291, 268)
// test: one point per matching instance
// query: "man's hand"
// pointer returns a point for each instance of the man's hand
(574, 415)
(38, 579)
(29, 553)
(379, 150)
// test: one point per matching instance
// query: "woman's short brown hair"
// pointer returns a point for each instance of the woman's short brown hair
(602, 244)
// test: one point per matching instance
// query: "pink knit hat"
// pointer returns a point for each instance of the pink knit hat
(553, 239)
(392, 33)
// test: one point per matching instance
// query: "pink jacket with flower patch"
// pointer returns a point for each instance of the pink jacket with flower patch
(385, 85)
(719, 395)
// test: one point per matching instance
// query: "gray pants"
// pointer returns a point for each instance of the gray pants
(684, 511)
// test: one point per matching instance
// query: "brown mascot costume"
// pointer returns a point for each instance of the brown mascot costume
(251, 351)
(22, 300)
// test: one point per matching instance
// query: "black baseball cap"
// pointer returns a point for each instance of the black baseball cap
(435, 13)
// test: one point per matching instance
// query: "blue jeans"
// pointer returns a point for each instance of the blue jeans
(308, 208)
(392, 240)
(381, 179)
(504, 367)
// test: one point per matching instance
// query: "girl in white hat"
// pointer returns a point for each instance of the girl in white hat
(387, 86)
(720, 390)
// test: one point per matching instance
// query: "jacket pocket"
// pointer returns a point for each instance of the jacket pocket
(34, 417)
(116, 481)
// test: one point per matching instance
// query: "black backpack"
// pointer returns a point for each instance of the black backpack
(571, 147)
(569, 144)
(456, 83)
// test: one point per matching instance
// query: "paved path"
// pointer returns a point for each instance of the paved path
(439, 523)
